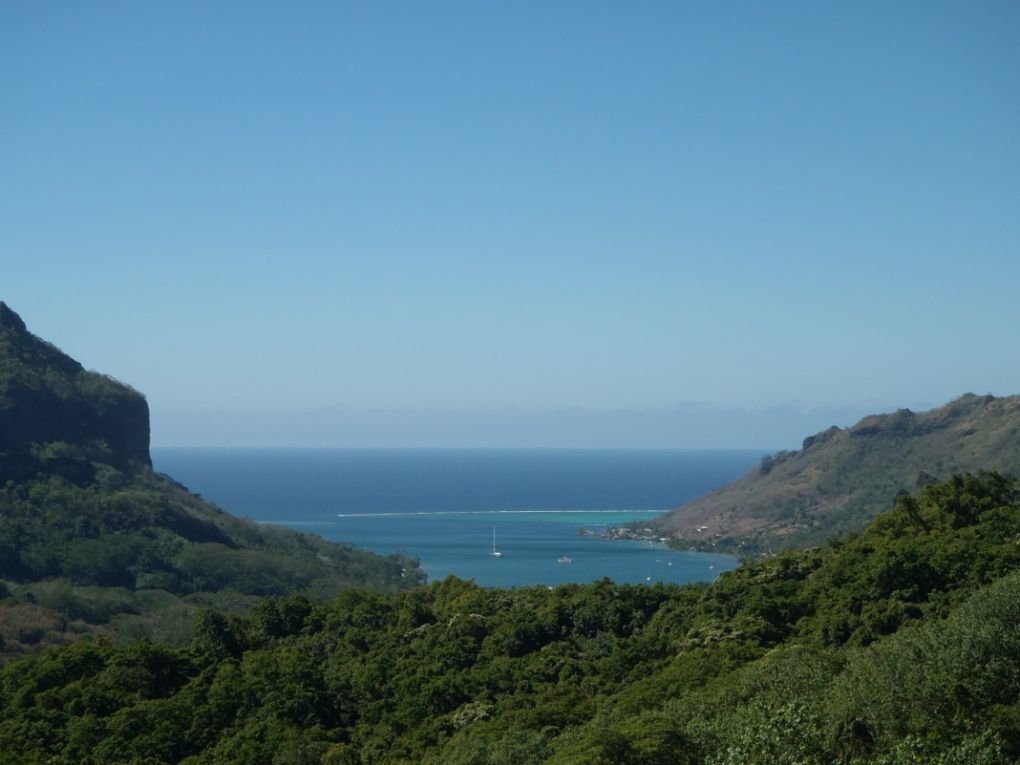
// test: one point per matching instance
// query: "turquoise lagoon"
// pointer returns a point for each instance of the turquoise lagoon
(443, 506)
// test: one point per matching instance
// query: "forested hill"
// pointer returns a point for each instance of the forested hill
(895, 647)
(842, 478)
(93, 540)
(56, 416)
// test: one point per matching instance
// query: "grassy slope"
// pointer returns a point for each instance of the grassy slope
(844, 477)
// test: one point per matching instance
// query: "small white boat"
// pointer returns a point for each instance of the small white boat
(495, 553)
(565, 559)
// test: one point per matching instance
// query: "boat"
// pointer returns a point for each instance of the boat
(565, 559)
(495, 553)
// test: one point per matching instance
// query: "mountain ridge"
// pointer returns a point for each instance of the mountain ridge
(94, 541)
(47, 397)
(840, 478)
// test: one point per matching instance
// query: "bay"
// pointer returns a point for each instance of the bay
(443, 506)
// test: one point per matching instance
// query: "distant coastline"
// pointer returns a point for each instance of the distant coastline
(440, 506)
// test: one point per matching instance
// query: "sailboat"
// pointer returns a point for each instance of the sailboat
(495, 553)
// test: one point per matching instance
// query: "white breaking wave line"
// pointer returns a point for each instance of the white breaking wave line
(486, 512)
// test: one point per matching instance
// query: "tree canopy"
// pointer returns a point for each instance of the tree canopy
(894, 646)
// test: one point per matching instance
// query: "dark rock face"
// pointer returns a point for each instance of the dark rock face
(10, 320)
(60, 414)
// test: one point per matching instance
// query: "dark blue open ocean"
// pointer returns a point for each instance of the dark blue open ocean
(444, 505)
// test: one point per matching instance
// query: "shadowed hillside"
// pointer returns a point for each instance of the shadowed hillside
(54, 413)
(93, 540)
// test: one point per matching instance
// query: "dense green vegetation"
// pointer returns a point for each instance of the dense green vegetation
(842, 478)
(46, 397)
(93, 541)
(135, 554)
(893, 647)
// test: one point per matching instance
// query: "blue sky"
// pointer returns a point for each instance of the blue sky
(512, 224)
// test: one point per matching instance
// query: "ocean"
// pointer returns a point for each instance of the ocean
(447, 507)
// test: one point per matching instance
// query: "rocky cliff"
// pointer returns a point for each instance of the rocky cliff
(93, 541)
(56, 416)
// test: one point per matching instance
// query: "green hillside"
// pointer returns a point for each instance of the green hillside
(895, 647)
(842, 478)
(92, 540)
(56, 416)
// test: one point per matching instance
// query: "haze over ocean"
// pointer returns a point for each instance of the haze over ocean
(527, 224)
(442, 505)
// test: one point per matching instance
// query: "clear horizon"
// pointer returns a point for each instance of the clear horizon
(715, 429)
(569, 225)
